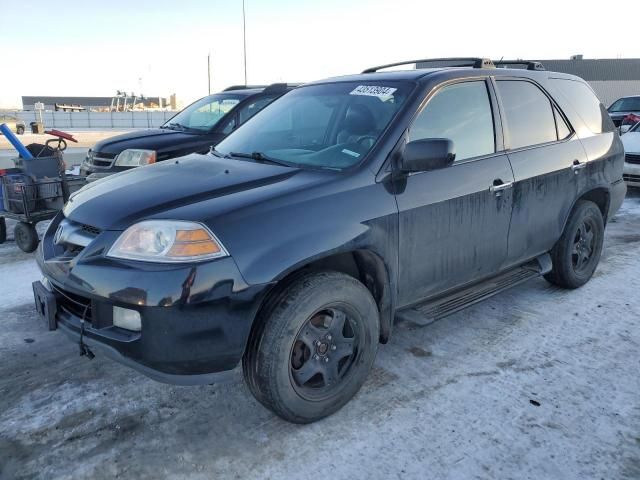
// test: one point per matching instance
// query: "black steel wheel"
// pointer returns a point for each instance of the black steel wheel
(3, 230)
(26, 237)
(577, 254)
(583, 245)
(325, 350)
(313, 346)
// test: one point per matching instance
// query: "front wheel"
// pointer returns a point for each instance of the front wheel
(577, 253)
(20, 130)
(314, 347)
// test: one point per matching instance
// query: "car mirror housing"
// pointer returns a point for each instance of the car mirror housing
(428, 154)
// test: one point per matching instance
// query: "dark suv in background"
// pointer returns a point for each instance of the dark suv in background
(195, 129)
(344, 205)
(622, 108)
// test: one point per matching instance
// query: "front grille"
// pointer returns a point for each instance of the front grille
(91, 230)
(76, 305)
(104, 155)
(71, 238)
(632, 158)
(101, 159)
(631, 178)
(99, 162)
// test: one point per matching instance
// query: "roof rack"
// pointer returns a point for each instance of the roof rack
(277, 87)
(531, 65)
(475, 62)
(243, 87)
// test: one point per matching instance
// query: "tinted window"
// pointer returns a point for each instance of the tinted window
(528, 113)
(325, 125)
(561, 125)
(203, 114)
(462, 113)
(586, 104)
(628, 104)
(250, 109)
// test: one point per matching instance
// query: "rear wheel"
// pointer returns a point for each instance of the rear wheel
(3, 230)
(20, 129)
(577, 253)
(314, 348)
(26, 237)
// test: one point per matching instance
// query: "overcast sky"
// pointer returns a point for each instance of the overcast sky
(160, 47)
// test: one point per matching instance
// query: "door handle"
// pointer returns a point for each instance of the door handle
(497, 188)
(577, 166)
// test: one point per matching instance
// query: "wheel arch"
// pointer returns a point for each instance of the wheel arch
(598, 195)
(364, 265)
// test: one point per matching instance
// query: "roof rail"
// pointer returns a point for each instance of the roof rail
(475, 62)
(531, 65)
(243, 87)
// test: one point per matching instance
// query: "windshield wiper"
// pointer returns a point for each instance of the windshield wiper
(216, 153)
(260, 157)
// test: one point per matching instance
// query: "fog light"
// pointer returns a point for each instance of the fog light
(127, 319)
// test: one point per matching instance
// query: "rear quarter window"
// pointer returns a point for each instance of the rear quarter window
(585, 103)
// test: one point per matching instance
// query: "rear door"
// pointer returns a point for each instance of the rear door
(546, 157)
(453, 225)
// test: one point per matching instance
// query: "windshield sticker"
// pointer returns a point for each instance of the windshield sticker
(350, 152)
(383, 93)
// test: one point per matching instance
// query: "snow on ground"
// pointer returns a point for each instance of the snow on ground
(536, 383)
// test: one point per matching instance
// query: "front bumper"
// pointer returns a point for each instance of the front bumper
(631, 174)
(196, 318)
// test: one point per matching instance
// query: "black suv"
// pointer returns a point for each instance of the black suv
(343, 206)
(623, 107)
(195, 129)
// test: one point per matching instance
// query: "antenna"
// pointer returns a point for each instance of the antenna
(244, 41)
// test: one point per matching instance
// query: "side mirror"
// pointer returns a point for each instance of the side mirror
(428, 154)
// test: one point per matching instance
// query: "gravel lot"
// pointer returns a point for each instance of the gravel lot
(535, 383)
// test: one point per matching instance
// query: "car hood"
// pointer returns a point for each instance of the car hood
(159, 139)
(631, 142)
(118, 201)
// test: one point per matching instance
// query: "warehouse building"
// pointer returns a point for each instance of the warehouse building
(610, 78)
(115, 103)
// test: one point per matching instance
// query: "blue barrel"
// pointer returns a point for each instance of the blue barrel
(17, 144)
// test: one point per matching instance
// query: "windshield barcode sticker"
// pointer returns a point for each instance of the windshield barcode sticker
(383, 93)
(350, 152)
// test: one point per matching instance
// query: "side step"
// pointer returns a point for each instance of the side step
(435, 309)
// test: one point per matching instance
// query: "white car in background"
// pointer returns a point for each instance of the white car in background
(631, 142)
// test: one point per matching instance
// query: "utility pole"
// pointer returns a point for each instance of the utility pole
(244, 41)
(209, 73)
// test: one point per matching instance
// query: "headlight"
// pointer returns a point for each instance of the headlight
(168, 241)
(135, 158)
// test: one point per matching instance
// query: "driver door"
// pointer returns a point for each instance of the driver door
(454, 222)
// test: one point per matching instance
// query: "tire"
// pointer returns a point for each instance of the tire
(577, 254)
(316, 317)
(26, 237)
(20, 130)
(3, 230)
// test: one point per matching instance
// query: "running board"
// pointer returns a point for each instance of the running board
(432, 310)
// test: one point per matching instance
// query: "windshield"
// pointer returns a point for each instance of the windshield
(331, 126)
(629, 104)
(203, 114)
